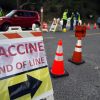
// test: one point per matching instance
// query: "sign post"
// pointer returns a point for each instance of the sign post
(41, 17)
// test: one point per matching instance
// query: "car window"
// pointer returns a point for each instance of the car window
(29, 14)
(33, 14)
(19, 14)
(10, 14)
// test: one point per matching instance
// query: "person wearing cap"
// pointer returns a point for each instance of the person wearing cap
(64, 18)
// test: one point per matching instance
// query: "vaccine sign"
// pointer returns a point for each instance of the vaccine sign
(23, 69)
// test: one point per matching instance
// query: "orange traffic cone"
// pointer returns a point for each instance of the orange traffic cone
(84, 24)
(88, 26)
(44, 27)
(95, 26)
(77, 55)
(58, 64)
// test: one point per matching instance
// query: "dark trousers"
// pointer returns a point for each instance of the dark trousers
(64, 23)
(71, 25)
(76, 22)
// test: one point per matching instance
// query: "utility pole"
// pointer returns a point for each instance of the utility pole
(41, 17)
(17, 4)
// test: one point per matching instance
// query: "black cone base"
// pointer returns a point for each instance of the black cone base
(76, 63)
(58, 76)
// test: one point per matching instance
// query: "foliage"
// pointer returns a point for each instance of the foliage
(55, 8)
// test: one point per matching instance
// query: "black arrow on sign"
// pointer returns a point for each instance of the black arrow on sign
(29, 86)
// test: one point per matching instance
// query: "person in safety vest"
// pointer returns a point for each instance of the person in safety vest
(77, 17)
(64, 18)
(72, 21)
(1, 12)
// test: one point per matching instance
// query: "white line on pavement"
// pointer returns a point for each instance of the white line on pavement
(89, 34)
(49, 37)
(92, 34)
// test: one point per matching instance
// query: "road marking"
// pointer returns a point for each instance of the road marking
(92, 34)
(49, 37)
(89, 34)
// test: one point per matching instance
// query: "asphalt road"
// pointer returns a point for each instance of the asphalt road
(83, 82)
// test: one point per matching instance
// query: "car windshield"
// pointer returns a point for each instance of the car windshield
(10, 14)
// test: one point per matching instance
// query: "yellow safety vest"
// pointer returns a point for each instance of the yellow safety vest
(64, 16)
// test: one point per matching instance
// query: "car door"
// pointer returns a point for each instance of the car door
(32, 18)
(18, 19)
(27, 19)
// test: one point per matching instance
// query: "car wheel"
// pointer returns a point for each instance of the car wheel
(5, 26)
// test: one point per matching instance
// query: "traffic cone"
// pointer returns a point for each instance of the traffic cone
(57, 69)
(88, 26)
(95, 26)
(77, 55)
(44, 27)
(84, 24)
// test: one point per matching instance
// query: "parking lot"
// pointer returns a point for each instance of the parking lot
(83, 82)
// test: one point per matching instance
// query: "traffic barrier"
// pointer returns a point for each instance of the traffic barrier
(77, 55)
(59, 26)
(24, 71)
(88, 26)
(53, 25)
(14, 29)
(95, 26)
(35, 27)
(57, 69)
(45, 27)
(56, 25)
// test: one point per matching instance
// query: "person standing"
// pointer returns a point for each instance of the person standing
(72, 21)
(65, 16)
(77, 17)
